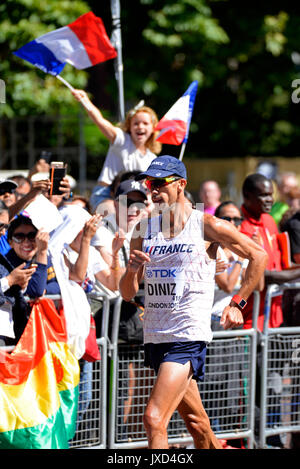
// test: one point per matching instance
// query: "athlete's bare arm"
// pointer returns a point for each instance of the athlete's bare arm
(216, 229)
(129, 283)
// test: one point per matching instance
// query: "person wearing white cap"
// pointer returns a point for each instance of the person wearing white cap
(175, 255)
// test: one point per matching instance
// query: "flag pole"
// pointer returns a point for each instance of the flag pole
(182, 151)
(116, 40)
(65, 82)
(83, 101)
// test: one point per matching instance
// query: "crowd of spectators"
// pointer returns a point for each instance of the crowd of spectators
(94, 235)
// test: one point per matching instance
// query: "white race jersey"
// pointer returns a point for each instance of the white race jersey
(179, 284)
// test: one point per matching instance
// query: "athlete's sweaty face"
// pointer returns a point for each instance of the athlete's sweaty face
(166, 195)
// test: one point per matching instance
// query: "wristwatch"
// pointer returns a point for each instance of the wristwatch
(240, 302)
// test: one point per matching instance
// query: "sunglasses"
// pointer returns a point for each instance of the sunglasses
(157, 183)
(20, 237)
(7, 191)
(129, 202)
(236, 220)
(3, 226)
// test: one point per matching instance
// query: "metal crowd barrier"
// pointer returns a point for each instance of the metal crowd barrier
(114, 391)
(280, 376)
(91, 429)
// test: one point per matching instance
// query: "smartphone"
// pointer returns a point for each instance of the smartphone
(57, 173)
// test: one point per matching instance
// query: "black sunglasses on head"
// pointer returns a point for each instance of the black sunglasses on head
(236, 220)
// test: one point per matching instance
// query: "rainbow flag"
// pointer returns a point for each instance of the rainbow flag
(39, 384)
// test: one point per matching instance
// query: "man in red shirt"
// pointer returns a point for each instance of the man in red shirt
(258, 224)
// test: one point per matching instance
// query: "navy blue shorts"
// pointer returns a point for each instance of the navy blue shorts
(179, 352)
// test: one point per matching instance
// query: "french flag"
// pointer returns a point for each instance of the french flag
(174, 126)
(83, 43)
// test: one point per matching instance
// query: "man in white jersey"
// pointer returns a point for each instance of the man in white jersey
(175, 253)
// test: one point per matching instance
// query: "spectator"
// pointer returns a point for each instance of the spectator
(107, 206)
(13, 307)
(293, 199)
(259, 225)
(130, 200)
(41, 165)
(210, 196)
(291, 297)
(41, 187)
(130, 205)
(29, 245)
(17, 206)
(132, 144)
(82, 259)
(81, 201)
(8, 198)
(231, 278)
(24, 185)
(286, 181)
(292, 226)
(7, 192)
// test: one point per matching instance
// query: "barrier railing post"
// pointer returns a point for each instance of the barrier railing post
(265, 342)
(104, 374)
(255, 313)
(264, 365)
(113, 369)
(97, 412)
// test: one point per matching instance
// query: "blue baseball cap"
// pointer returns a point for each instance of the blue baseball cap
(164, 166)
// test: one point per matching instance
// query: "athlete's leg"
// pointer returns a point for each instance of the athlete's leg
(197, 422)
(172, 382)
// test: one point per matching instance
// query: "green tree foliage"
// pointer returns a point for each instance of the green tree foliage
(243, 54)
(29, 90)
(240, 53)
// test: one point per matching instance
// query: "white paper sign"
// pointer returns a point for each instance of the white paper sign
(44, 214)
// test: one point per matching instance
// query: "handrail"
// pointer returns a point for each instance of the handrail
(274, 290)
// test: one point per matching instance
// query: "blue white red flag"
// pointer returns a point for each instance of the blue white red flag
(174, 126)
(83, 43)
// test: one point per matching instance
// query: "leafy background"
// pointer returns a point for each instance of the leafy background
(245, 56)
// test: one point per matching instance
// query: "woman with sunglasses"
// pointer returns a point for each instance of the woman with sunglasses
(233, 265)
(30, 245)
(133, 143)
(14, 312)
